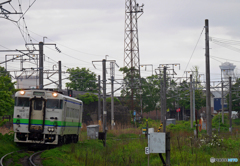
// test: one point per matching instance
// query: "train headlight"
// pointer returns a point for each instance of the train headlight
(22, 92)
(54, 94)
(51, 129)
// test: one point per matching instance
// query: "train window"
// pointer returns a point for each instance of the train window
(38, 104)
(61, 104)
(22, 101)
(54, 103)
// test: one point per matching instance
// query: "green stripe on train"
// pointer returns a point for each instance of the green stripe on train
(47, 122)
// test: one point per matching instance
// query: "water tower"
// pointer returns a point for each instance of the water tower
(227, 70)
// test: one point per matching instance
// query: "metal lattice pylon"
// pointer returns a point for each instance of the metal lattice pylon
(131, 44)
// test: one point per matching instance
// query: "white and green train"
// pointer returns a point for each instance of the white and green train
(46, 117)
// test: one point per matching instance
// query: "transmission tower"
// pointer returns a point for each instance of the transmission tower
(131, 45)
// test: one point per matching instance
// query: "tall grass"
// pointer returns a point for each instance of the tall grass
(125, 146)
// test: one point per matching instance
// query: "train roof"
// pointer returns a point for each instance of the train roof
(60, 95)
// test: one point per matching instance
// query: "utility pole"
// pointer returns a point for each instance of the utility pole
(104, 94)
(40, 44)
(230, 104)
(40, 65)
(194, 116)
(191, 101)
(222, 104)
(112, 67)
(60, 75)
(164, 98)
(104, 99)
(99, 101)
(208, 93)
(161, 96)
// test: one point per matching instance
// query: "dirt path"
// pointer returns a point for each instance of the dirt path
(5, 130)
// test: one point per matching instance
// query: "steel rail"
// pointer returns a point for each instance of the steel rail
(1, 161)
(31, 157)
(4, 157)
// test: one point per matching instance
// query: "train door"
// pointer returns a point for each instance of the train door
(37, 115)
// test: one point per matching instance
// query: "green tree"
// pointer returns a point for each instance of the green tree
(131, 83)
(172, 94)
(6, 92)
(82, 80)
(200, 98)
(151, 93)
(184, 95)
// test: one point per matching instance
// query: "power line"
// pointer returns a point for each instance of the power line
(225, 59)
(194, 50)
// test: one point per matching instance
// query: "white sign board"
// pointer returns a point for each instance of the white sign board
(157, 142)
(146, 150)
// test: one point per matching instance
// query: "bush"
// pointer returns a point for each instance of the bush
(9, 137)
(217, 122)
(180, 126)
(151, 123)
(88, 98)
(3, 122)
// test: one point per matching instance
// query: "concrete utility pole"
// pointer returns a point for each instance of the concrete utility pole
(104, 95)
(230, 104)
(99, 101)
(104, 99)
(60, 75)
(40, 65)
(193, 97)
(222, 102)
(208, 93)
(191, 102)
(164, 98)
(161, 96)
(112, 65)
(104, 92)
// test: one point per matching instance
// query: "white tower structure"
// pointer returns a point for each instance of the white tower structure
(227, 70)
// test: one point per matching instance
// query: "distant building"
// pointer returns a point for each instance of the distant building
(218, 101)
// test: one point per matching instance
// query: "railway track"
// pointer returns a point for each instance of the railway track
(33, 160)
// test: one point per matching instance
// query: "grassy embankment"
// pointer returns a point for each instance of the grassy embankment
(126, 147)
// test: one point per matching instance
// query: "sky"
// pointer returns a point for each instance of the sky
(88, 30)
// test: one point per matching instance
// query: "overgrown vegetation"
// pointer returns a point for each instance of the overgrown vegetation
(7, 143)
(126, 147)
(3, 122)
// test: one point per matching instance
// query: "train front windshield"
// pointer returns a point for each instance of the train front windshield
(54, 103)
(22, 101)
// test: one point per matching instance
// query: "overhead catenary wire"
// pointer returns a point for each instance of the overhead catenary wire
(193, 50)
